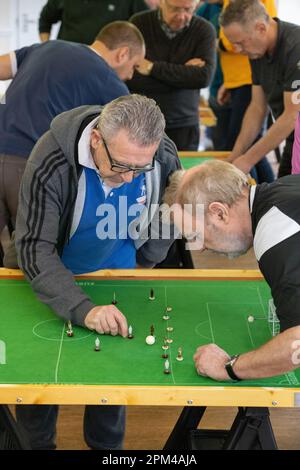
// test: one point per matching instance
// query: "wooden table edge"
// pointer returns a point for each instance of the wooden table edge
(61, 394)
(180, 274)
(204, 154)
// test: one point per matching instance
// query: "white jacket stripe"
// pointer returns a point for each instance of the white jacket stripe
(273, 228)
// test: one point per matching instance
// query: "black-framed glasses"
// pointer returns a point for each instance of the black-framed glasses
(120, 168)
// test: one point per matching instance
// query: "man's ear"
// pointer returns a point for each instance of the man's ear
(95, 139)
(122, 55)
(219, 212)
(260, 27)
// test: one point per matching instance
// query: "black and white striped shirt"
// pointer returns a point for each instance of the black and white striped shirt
(275, 212)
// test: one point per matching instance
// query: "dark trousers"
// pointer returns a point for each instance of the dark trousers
(104, 426)
(231, 123)
(11, 172)
(218, 133)
(240, 100)
(185, 138)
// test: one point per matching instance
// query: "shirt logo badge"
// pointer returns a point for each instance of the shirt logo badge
(142, 198)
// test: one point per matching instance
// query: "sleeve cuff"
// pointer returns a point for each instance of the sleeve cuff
(142, 261)
(78, 315)
(13, 63)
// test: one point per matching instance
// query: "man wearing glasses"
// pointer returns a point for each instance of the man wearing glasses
(180, 60)
(71, 221)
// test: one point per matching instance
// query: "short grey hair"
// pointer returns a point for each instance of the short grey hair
(138, 115)
(244, 12)
(213, 181)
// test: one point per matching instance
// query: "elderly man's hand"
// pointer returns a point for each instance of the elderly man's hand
(107, 319)
(210, 362)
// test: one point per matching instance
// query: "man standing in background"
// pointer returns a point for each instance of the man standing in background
(273, 47)
(180, 60)
(236, 93)
(81, 21)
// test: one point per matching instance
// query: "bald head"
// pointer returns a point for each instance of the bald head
(203, 184)
(210, 205)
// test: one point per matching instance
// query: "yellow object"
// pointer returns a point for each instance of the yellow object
(207, 116)
(236, 67)
(251, 181)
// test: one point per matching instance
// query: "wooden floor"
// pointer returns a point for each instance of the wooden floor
(149, 427)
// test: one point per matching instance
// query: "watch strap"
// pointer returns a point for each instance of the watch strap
(229, 368)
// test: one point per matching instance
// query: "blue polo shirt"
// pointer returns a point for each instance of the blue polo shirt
(101, 239)
(51, 78)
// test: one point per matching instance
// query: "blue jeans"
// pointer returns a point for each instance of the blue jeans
(219, 132)
(262, 172)
(104, 426)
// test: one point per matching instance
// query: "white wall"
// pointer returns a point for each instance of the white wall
(289, 10)
(7, 25)
(19, 26)
(7, 33)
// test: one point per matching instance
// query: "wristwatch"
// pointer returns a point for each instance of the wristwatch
(229, 368)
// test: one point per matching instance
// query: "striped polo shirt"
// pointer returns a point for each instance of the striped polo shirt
(275, 213)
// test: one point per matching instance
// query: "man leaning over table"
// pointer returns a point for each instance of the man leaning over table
(89, 162)
(235, 217)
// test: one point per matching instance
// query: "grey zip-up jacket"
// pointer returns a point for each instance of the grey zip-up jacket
(46, 204)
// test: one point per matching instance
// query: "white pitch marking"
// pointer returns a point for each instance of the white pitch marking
(198, 326)
(250, 335)
(210, 323)
(56, 339)
(2, 353)
(59, 354)
(166, 298)
(261, 301)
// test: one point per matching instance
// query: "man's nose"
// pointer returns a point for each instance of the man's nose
(182, 16)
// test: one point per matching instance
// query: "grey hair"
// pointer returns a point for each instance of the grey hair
(243, 12)
(170, 195)
(213, 181)
(138, 115)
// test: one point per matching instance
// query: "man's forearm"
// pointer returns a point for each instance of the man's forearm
(277, 133)
(252, 124)
(278, 356)
(183, 76)
(6, 72)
